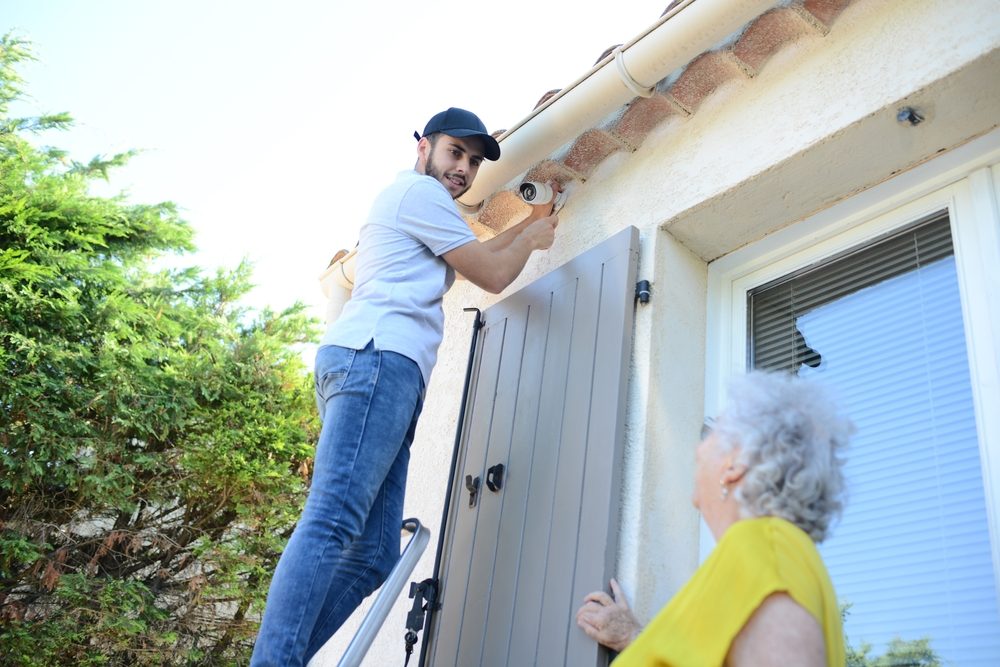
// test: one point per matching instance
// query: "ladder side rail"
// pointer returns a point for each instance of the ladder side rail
(387, 595)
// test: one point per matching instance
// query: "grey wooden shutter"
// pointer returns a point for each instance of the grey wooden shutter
(548, 404)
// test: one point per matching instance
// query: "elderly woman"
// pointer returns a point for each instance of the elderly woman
(768, 482)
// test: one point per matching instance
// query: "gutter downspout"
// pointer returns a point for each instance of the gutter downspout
(337, 282)
(634, 69)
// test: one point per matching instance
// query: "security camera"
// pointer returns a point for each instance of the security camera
(536, 193)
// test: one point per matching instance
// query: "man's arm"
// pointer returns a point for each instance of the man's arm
(494, 266)
(504, 238)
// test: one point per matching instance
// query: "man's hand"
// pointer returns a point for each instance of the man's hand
(494, 264)
(542, 221)
(608, 620)
(541, 233)
(539, 211)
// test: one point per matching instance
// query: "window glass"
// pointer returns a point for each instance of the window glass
(883, 324)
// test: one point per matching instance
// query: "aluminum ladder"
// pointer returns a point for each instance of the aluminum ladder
(387, 594)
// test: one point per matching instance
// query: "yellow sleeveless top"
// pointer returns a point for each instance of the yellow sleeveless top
(754, 558)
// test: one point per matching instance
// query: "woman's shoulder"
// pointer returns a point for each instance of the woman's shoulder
(769, 539)
(765, 529)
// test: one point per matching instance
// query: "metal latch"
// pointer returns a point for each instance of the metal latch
(473, 486)
(494, 478)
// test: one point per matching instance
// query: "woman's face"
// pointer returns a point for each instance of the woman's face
(706, 475)
(714, 470)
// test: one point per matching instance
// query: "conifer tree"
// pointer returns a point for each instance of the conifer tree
(155, 435)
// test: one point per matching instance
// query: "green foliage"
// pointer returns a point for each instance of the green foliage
(155, 436)
(899, 652)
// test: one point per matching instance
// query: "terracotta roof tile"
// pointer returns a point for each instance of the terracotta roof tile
(644, 114)
(704, 75)
(769, 33)
(591, 148)
(553, 170)
(501, 209)
(826, 10)
(680, 93)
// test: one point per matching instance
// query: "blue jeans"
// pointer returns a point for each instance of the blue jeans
(347, 540)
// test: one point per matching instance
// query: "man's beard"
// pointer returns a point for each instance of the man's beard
(432, 171)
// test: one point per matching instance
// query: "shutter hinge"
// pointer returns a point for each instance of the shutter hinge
(642, 290)
(424, 597)
(478, 323)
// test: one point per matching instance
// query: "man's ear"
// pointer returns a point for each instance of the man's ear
(423, 153)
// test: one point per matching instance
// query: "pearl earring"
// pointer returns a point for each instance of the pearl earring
(724, 490)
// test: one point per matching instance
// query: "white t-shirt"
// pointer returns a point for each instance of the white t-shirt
(400, 278)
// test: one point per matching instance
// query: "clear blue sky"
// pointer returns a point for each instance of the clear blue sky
(273, 124)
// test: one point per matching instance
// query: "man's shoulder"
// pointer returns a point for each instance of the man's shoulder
(412, 192)
(411, 180)
(424, 198)
(426, 188)
(406, 186)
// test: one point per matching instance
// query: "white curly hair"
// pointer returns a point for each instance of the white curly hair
(792, 438)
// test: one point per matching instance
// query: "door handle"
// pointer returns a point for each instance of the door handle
(473, 486)
(494, 477)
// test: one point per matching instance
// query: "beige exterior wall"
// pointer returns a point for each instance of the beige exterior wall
(815, 127)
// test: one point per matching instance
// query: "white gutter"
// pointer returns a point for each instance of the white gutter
(634, 69)
(685, 32)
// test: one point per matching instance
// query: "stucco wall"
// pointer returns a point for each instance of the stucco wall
(816, 125)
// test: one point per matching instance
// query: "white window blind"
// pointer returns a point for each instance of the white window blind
(883, 324)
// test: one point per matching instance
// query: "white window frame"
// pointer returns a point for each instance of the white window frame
(965, 182)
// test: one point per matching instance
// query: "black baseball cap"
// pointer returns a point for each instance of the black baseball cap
(457, 122)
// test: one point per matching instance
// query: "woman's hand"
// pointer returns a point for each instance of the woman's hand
(608, 620)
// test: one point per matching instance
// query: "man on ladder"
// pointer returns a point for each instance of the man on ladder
(371, 373)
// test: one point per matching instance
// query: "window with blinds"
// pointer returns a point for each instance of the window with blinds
(883, 325)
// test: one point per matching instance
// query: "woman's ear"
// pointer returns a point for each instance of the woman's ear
(734, 471)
